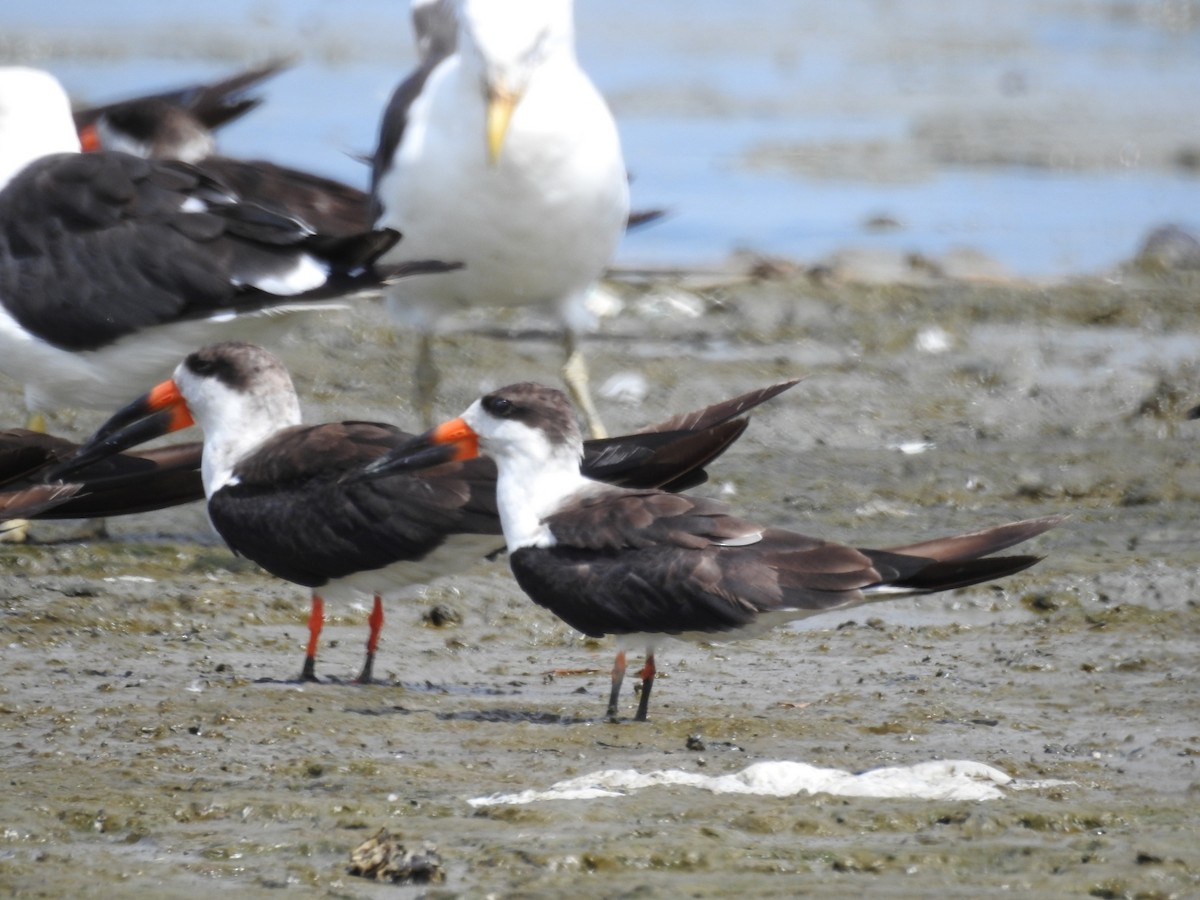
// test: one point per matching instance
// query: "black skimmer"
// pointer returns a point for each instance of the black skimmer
(174, 124)
(644, 564)
(503, 155)
(287, 496)
(118, 485)
(113, 267)
(178, 125)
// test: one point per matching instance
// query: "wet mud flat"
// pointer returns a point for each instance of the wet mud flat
(154, 742)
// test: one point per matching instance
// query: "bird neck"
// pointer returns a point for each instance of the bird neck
(231, 440)
(532, 486)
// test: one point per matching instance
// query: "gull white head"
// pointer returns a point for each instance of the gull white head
(35, 119)
(508, 43)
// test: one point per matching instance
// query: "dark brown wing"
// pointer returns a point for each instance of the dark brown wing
(213, 104)
(655, 591)
(629, 561)
(643, 561)
(290, 511)
(31, 502)
(723, 411)
(136, 482)
(119, 485)
(688, 585)
(329, 206)
(23, 453)
(672, 460)
(605, 518)
(672, 454)
(980, 543)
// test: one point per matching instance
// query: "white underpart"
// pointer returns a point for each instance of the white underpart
(455, 554)
(35, 119)
(744, 541)
(306, 274)
(193, 205)
(539, 225)
(114, 374)
(534, 478)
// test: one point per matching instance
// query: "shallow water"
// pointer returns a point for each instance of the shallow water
(1049, 136)
(154, 744)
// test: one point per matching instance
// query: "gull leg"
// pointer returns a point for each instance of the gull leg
(426, 378)
(375, 620)
(618, 675)
(575, 376)
(316, 621)
(648, 672)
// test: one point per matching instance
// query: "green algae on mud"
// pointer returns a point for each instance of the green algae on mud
(155, 743)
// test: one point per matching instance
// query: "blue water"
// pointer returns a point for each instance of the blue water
(698, 86)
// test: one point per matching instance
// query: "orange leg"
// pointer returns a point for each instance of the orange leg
(648, 672)
(375, 620)
(618, 675)
(316, 621)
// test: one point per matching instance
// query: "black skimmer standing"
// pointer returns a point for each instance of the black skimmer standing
(118, 485)
(113, 267)
(174, 124)
(286, 495)
(503, 155)
(645, 564)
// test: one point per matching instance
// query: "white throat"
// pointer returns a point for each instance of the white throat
(530, 489)
(534, 476)
(236, 423)
(228, 441)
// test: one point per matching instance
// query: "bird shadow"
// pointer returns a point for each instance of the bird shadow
(495, 715)
(512, 716)
(416, 687)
